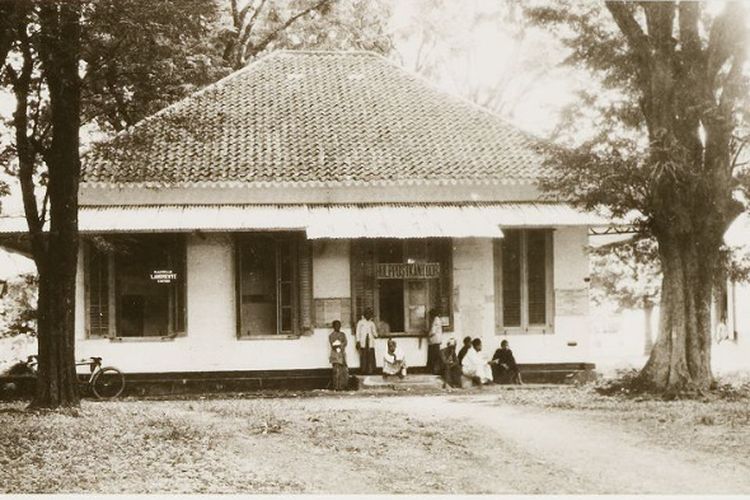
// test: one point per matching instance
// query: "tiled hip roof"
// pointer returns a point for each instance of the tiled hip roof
(318, 117)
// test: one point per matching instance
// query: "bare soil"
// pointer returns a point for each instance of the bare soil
(494, 441)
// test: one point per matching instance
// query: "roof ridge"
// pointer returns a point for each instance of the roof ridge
(322, 52)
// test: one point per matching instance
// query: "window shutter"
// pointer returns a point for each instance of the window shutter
(497, 256)
(305, 286)
(441, 251)
(96, 276)
(536, 242)
(511, 276)
(362, 258)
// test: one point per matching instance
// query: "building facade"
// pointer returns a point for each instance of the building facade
(229, 230)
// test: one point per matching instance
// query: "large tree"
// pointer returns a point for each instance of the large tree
(46, 38)
(669, 79)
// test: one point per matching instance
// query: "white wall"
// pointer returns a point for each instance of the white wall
(473, 290)
(331, 269)
(211, 343)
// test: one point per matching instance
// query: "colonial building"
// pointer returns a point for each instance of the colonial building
(229, 230)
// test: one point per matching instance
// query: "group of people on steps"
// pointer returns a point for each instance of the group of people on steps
(445, 361)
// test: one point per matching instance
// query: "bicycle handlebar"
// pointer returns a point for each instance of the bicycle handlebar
(93, 360)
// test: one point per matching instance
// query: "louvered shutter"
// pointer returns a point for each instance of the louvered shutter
(536, 251)
(497, 255)
(96, 282)
(362, 258)
(511, 276)
(305, 275)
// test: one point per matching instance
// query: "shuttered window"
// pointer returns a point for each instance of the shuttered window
(523, 280)
(274, 284)
(135, 285)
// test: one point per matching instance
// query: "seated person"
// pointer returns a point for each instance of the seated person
(464, 349)
(394, 361)
(451, 365)
(504, 368)
(475, 366)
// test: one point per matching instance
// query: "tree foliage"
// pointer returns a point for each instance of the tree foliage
(18, 306)
(259, 25)
(626, 272)
(141, 56)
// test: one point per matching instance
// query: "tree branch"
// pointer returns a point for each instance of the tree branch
(26, 154)
(637, 39)
(275, 34)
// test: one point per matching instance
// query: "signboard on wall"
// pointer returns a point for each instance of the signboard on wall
(328, 310)
(406, 270)
(163, 276)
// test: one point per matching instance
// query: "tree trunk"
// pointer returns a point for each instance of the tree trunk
(59, 51)
(681, 358)
(648, 341)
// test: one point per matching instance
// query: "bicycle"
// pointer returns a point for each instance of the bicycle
(105, 382)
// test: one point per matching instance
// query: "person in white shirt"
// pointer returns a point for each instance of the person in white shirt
(433, 343)
(366, 334)
(394, 361)
(475, 366)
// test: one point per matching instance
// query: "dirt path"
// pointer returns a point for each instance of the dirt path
(577, 453)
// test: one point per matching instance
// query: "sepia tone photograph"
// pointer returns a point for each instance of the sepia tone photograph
(383, 247)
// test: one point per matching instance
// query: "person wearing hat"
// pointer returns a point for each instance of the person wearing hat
(451, 364)
(337, 341)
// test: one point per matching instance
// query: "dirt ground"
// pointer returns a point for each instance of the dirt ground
(494, 441)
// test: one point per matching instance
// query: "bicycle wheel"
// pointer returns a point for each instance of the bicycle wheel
(108, 383)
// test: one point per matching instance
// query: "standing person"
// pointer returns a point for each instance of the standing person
(367, 332)
(504, 367)
(433, 343)
(337, 341)
(451, 364)
(464, 349)
(394, 361)
(475, 366)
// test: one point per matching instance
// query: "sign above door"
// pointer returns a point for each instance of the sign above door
(408, 270)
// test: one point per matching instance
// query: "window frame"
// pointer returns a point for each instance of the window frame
(299, 252)
(548, 327)
(112, 295)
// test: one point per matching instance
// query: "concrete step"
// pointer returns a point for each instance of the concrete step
(416, 381)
